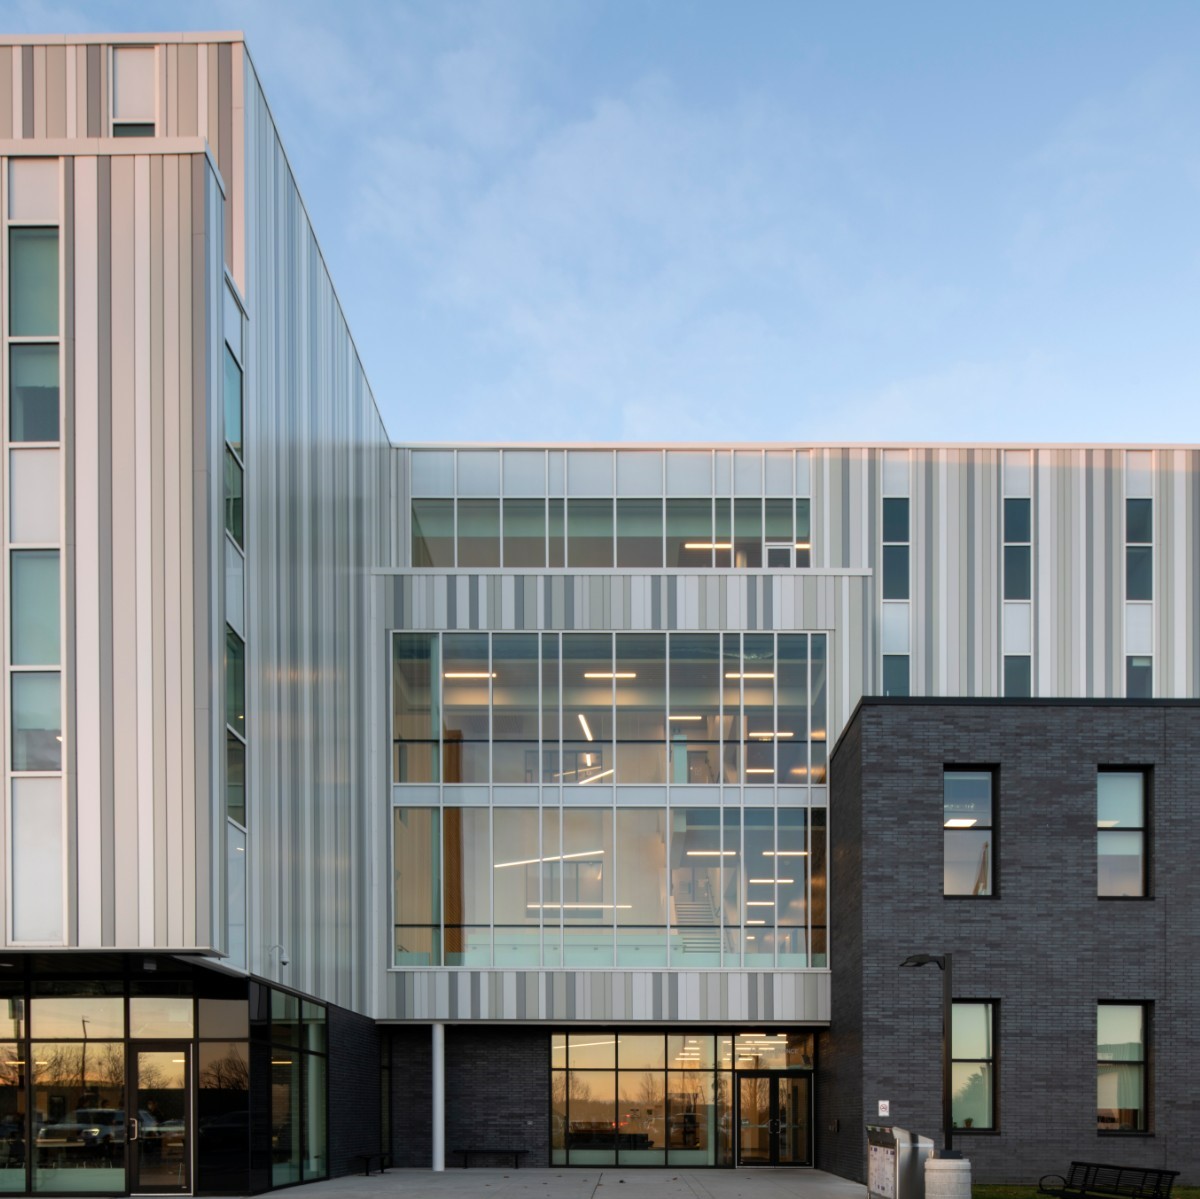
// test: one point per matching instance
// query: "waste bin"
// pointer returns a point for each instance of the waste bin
(896, 1162)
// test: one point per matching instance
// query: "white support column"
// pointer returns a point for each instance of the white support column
(439, 1097)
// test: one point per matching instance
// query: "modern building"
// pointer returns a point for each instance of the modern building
(343, 774)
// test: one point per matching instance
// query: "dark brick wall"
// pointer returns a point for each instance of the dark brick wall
(497, 1091)
(1045, 948)
(354, 1054)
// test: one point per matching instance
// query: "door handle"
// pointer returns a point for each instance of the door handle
(773, 1126)
(133, 1129)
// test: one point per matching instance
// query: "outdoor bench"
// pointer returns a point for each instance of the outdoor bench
(515, 1154)
(1091, 1180)
(367, 1160)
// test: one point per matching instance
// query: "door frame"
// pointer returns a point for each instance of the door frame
(775, 1077)
(133, 1143)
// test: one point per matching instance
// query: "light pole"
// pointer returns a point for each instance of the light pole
(945, 963)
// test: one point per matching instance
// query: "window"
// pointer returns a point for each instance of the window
(1121, 1037)
(895, 674)
(134, 81)
(33, 282)
(33, 393)
(973, 1073)
(1121, 833)
(1139, 549)
(1139, 676)
(1018, 582)
(967, 832)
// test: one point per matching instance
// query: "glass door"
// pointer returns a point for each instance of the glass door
(159, 1123)
(774, 1123)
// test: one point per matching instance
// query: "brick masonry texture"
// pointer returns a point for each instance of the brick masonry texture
(354, 1058)
(497, 1092)
(1044, 948)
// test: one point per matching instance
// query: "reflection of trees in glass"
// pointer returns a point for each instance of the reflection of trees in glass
(971, 1102)
(228, 1073)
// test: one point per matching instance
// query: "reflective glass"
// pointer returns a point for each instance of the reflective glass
(1139, 572)
(551, 761)
(895, 674)
(286, 1130)
(479, 472)
(33, 282)
(515, 714)
(689, 534)
(36, 722)
(235, 681)
(972, 1030)
(641, 1117)
(555, 536)
(591, 1132)
(36, 628)
(694, 723)
(235, 778)
(640, 686)
(895, 572)
(972, 1086)
(747, 533)
(1018, 676)
(731, 883)
(640, 533)
(587, 707)
(587, 885)
(689, 472)
(33, 393)
(695, 887)
(552, 888)
(558, 1112)
(818, 733)
(692, 1052)
(731, 698)
(478, 533)
(417, 857)
(641, 1051)
(967, 837)
(233, 497)
(233, 401)
(803, 534)
(466, 869)
(818, 855)
(1017, 524)
(1139, 521)
(778, 520)
(639, 472)
(1120, 863)
(691, 1118)
(315, 1163)
(87, 1016)
(790, 872)
(1017, 572)
(13, 1074)
(641, 904)
(224, 1018)
(223, 1116)
(432, 472)
(1120, 1071)
(466, 689)
(589, 533)
(1139, 677)
(761, 911)
(1120, 799)
(791, 723)
(433, 533)
(166, 1017)
(525, 533)
(415, 711)
(592, 1050)
(722, 534)
(1119, 1032)
(895, 520)
(525, 472)
(517, 867)
(758, 707)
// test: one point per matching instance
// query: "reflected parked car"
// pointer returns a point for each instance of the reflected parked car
(94, 1134)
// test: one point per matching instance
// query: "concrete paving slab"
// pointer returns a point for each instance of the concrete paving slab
(589, 1184)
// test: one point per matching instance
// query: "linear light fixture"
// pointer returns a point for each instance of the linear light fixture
(564, 857)
(772, 880)
(587, 731)
(601, 775)
(749, 674)
(760, 769)
(961, 822)
(817, 735)
(1103, 823)
(804, 545)
(468, 674)
(711, 853)
(685, 717)
(610, 674)
(785, 853)
(708, 545)
(760, 903)
(587, 907)
(756, 922)
(770, 736)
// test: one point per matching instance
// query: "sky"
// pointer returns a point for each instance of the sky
(675, 220)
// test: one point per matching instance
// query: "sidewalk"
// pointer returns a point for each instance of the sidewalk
(560, 1183)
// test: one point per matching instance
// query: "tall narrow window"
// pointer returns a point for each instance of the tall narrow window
(1018, 585)
(974, 1058)
(33, 282)
(895, 592)
(967, 819)
(33, 393)
(1121, 833)
(1121, 1041)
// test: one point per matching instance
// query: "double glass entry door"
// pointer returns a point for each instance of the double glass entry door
(158, 1128)
(774, 1123)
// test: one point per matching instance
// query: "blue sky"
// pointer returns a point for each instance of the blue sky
(649, 220)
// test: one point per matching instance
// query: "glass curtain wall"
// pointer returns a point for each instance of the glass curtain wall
(627, 708)
(603, 886)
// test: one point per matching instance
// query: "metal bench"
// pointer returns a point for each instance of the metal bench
(515, 1154)
(367, 1159)
(1091, 1180)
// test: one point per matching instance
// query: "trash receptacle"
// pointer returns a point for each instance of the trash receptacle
(896, 1162)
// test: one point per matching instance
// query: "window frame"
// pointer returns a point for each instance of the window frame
(1145, 1062)
(993, 1005)
(1146, 775)
(992, 770)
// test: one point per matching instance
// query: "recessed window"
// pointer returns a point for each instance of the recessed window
(1139, 676)
(895, 674)
(1121, 834)
(33, 393)
(967, 826)
(1018, 676)
(1121, 1042)
(33, 282)
(973, 1071)
(233, 497)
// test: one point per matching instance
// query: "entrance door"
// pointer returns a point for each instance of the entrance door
(159, 1121)
(774, 1120)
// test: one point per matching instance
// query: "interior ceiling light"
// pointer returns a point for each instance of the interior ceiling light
(772, 880)
(711, 853)
(770, 736)
(804, 545)
(1108, 823)
(587, 732)
(610, 674)
(601, 775)
(785, 853)
(468, 674)
(685, 717)
(708, 545)
(749, 674)
(760, 769)
(961, 822)
(760, 903)
(566, 857)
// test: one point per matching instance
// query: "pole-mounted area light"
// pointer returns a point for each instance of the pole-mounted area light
(945, 963)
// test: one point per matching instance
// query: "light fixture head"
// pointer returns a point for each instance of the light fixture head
(924, 959)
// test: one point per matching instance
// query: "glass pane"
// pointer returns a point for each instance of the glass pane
(555, 536)
(640, 533)
(285, 1117)
(558, 1110)
(525, 533)
(895, 572)
(790, 870)
(689, 534)
(641, 1117)
(758, 842)
(315, 1140)
(693, 1052)
(36, 722)
(235, 681)
(791, 722)
(641, 857)
(972, 1086)
(163, 1154)
(13, 1073)
(968, 862)
(592, 1100)
(551, 764)
(479, 532)
(1018, 676)
(967, 798)
(691, 1113)
(1121, 867)
(817, 859)
(587, 689)
(517, 867)
(223, 1115)
(433, 533)
(592, 1050)
(1139, 521)
(515, 715)
(466, 690)
(85, 1016)
(224, 1018)
(803, 533)
(33, 393)
(1119, 1032)
(694, 723)
(1119, 799)
(36, 630)
(758, 705)
(695, 887)
(33, 282)
(641, 698)
(466, 868)
(722, 534)
(1120, 1103)
(233, 401)
(589, 533)
(641, 1051)
(972, 1030)
(233, 497)
(235, 779)
(168, 1017)
(1017, 572)
(417, 864)
(778, 520)
(79, 1095)
(895, 520)
(1139, 677)
(747, 533)
(794, 1121)
(479, 472)
(819, 734)
(754, 1131)
(1139, 572)
(731, 883)
(1016, 520)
